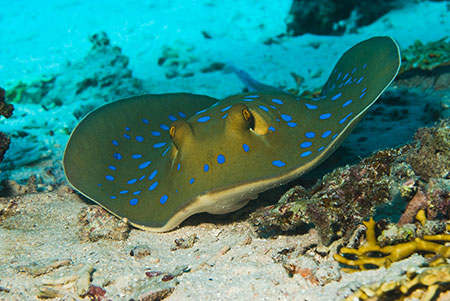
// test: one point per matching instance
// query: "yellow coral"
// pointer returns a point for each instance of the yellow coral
(424, 285)
(371, 254)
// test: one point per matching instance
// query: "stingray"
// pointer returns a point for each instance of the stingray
(155, 160)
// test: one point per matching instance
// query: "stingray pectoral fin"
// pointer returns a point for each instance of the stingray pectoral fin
(118, 155)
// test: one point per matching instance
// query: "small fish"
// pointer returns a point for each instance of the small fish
(158, 159)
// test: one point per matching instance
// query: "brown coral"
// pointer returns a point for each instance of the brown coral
(5, 110)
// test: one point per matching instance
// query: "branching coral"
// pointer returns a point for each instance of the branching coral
(426, 285)
(371, 254)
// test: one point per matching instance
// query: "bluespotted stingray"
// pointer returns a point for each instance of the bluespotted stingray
(158, 159)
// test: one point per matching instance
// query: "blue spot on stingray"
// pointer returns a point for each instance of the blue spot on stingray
(178, 166)
(153, 186)
(163, 199)
(225, 116)
(264, 108)
(362, 95)
(112, 167)
(365, 65)
(109, 178)
(136, 156)
(99, 185)
(359, 80)
(206, 167)
(137, 192)
(133, 202)
(245, 147)
(141, 178)
(278, 163)
(127, 129)
(156, 133)
(127, 136)
(278, 101)
(305, 144)
(345, 118)
(124, 192)
(286, 117)
(164, 127)
(354, 70)
(252, 96)
(335, 135)
(145, 121)
(247, 99)
(220, 159)
(117, 156)
(345, 76)
(340, 86)
(310, 135)
(326, 134)
(278, 120)
(204, 119)
(339, 75)
(201, 111)
(113, 197)
(225, 109)
(191, 181)
(115, 142)
(144, 165)
(321, 148)
(182, 115)
(132, 181)
(159, 145)
(273, 107)
(139, 138)
(348, 81)
(152, 175)
(172, 118)
(310, 106)
(347, 103)
(305, 154)
(292, 124)
(167, 149)
(336, 96)
(325, 116)
(271, 128)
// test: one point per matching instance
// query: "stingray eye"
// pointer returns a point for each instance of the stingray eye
(247, 115)
(172, 131)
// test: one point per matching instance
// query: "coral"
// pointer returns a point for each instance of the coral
(371, 255)
(431, 155)
(5, 110)
(426, 57)
(103, 75)
(426, 65)
(98, 224)
(327, 17)
(338, 203)
(177, 57)
(429, 283)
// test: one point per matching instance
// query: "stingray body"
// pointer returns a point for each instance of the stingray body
(158, 159)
